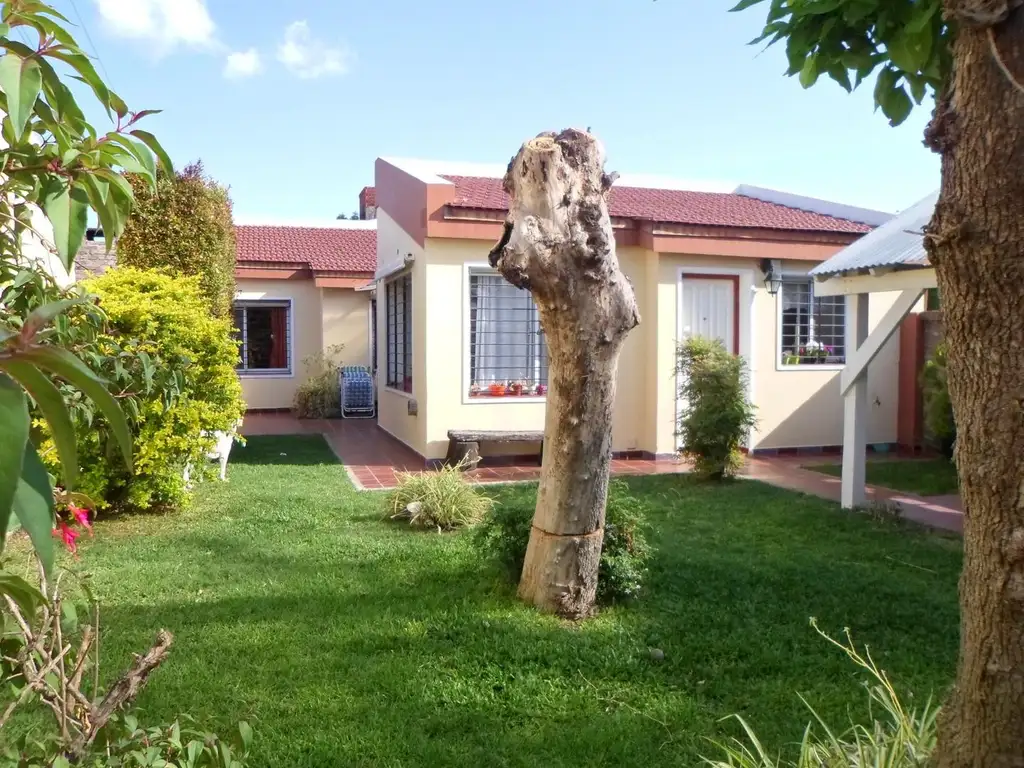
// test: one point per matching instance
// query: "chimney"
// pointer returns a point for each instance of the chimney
(368, 203)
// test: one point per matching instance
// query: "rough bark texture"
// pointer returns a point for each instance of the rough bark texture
(558, 244)
(976, 243)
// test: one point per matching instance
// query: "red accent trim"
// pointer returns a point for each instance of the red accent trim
(340, 282)
(735, 280)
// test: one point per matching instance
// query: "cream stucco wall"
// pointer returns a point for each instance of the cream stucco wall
(796, 407)
(394, 245)
(345, 318)
(278, 391)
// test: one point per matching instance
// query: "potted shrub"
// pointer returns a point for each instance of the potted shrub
(474, 390)
(497, 389)
(542, 389)
(515, 388)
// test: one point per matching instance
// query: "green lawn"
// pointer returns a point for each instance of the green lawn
(925, 477)
(351, 642)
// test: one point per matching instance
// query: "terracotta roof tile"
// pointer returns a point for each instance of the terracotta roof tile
(715, 209)
(330, 249)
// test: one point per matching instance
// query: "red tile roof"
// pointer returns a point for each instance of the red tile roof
(715, 209)
(327, 249)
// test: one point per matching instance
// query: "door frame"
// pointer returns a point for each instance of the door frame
(744, 328)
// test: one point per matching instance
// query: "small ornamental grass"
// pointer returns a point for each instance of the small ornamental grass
(441, 500)
(896, 738)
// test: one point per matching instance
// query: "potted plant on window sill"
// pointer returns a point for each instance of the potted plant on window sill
(497, 389)
(542, 389)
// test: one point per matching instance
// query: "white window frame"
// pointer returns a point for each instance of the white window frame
(254, 300)
(408, 342)
(780, 365)
(482, 268)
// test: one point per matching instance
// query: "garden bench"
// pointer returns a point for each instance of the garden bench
(464, 445)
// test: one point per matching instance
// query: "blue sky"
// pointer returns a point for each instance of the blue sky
(289, 103)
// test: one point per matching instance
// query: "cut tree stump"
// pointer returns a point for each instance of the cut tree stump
(558, 244)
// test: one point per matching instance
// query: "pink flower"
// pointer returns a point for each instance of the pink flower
(81, 516)
(68, 535)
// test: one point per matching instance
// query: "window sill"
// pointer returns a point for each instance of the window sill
(809, 366)
(495, 399)
(268, 374)
(399, 392)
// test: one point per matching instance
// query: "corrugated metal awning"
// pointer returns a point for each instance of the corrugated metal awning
(898, 243)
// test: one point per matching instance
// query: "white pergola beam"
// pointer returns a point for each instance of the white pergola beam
(857, 362)
(855, 409)
(898, 280)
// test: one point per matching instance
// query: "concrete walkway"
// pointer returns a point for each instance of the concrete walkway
(374, 460)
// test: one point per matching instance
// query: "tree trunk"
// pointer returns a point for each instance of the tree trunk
(558, 244)
(976, 243)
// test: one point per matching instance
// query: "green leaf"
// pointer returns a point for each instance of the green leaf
(742, 5)
(150, 141)
(245, 733)
(25, 596)
(50, 402)
(61, 362)
(86, 74)
(841, 75)
(144, 158)
(897, 106)
(67, 208)
(33, 504)
(809, 71)
(5, 30)
(42, 316)
(14, 426)
(21, 80)
(69, 617)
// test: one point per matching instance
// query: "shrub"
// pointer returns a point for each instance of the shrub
(184, 227)
(716, 414)
(938, 408)
(901, 738)
(441, 500)
(177, 362)
(319, 396)
(505, 534)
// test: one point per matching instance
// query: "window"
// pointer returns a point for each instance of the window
(263, 329)
(508, 354)
(813, 327)
(398, 305)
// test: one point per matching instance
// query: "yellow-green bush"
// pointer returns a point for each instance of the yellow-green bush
(196, 387)
(185, 227)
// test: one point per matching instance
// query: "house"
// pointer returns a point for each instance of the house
(729, 262)
(300, 290)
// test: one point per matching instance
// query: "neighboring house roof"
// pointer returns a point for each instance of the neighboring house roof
(899, 244)
(342, 246)
(679, 206)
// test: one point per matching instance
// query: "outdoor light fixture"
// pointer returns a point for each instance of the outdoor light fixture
(772, 280)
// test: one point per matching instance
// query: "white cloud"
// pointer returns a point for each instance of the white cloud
(241, 64)
(165, 23)
(307, 57)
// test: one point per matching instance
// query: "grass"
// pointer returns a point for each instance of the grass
(348, 641)
(925, 477)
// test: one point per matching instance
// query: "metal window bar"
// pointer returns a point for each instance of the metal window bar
(399, 333)
(813, 327)
(506, 341)
(241, 311)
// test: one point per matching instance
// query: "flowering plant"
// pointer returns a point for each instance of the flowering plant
(71, 517)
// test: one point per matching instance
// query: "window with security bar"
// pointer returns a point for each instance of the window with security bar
(262, 330)
(508, 354)
(398, 339)
(813, 327)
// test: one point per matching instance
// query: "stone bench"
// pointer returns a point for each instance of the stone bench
(464, 445)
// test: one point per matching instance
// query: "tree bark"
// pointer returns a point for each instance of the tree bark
(976, 243)
(558, 244)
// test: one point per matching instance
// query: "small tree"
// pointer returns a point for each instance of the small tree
(716, 414)
(185, 226)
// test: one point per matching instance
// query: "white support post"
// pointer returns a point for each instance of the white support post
(855, 408)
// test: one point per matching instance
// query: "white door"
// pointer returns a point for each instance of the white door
(707, 308)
